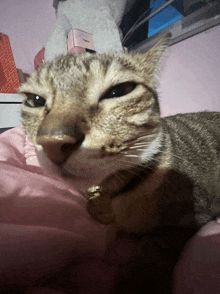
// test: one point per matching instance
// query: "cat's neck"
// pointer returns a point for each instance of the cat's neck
(81, 185)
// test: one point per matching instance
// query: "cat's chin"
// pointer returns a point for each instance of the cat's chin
(79, 171)
(77, 174)
(46, 163)
(87, 170)
(79, 182)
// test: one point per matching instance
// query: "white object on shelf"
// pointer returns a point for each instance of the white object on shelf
(10, 110)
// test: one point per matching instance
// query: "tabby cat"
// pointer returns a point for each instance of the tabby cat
(96, 117)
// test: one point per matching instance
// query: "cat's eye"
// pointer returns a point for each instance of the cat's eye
(119, 90)
(34, 100)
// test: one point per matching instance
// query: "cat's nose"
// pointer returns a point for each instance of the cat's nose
(59, 148)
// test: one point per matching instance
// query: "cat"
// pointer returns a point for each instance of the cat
(96, 117)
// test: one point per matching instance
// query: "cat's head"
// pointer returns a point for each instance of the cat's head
(95, 109)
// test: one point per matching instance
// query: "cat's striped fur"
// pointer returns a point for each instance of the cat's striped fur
(98, 118)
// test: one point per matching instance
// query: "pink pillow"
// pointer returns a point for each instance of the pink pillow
(45, 226)
(198, 271)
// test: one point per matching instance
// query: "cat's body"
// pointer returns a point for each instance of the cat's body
(179, 186)
(195, 147)
(98, 117)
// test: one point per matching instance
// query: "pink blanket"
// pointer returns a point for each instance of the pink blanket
(44, 226)
(46, 231)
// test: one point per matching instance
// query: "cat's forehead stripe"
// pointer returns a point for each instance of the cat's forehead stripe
(79, 61)
(125, 64)
(49, 69)
(84, 63)
(99, 62)
(66, 70)
(38, 74)
(106, 63)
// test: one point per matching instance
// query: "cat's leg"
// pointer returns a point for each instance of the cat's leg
(99, 206)
(127, 200)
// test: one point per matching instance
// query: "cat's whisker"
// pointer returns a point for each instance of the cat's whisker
(119, 176)
(141, 145)
(143, 142)
(141, 138)
(136, 146)
(138, 166)
(127, 165)
(142, 168)
(179, 157)
(124, 164)
(133, 172)
(138, 149)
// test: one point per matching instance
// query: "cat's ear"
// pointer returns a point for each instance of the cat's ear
(150, 60)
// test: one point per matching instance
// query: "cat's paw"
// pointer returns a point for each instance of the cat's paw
(99, 206)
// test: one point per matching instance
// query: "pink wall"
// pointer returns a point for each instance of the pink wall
(190, 77)
(28, 23)
(189, 80)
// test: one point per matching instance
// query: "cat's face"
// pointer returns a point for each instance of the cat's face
(94, 114)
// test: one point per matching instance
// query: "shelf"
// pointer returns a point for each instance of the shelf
(10, 110)
(8, 97)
